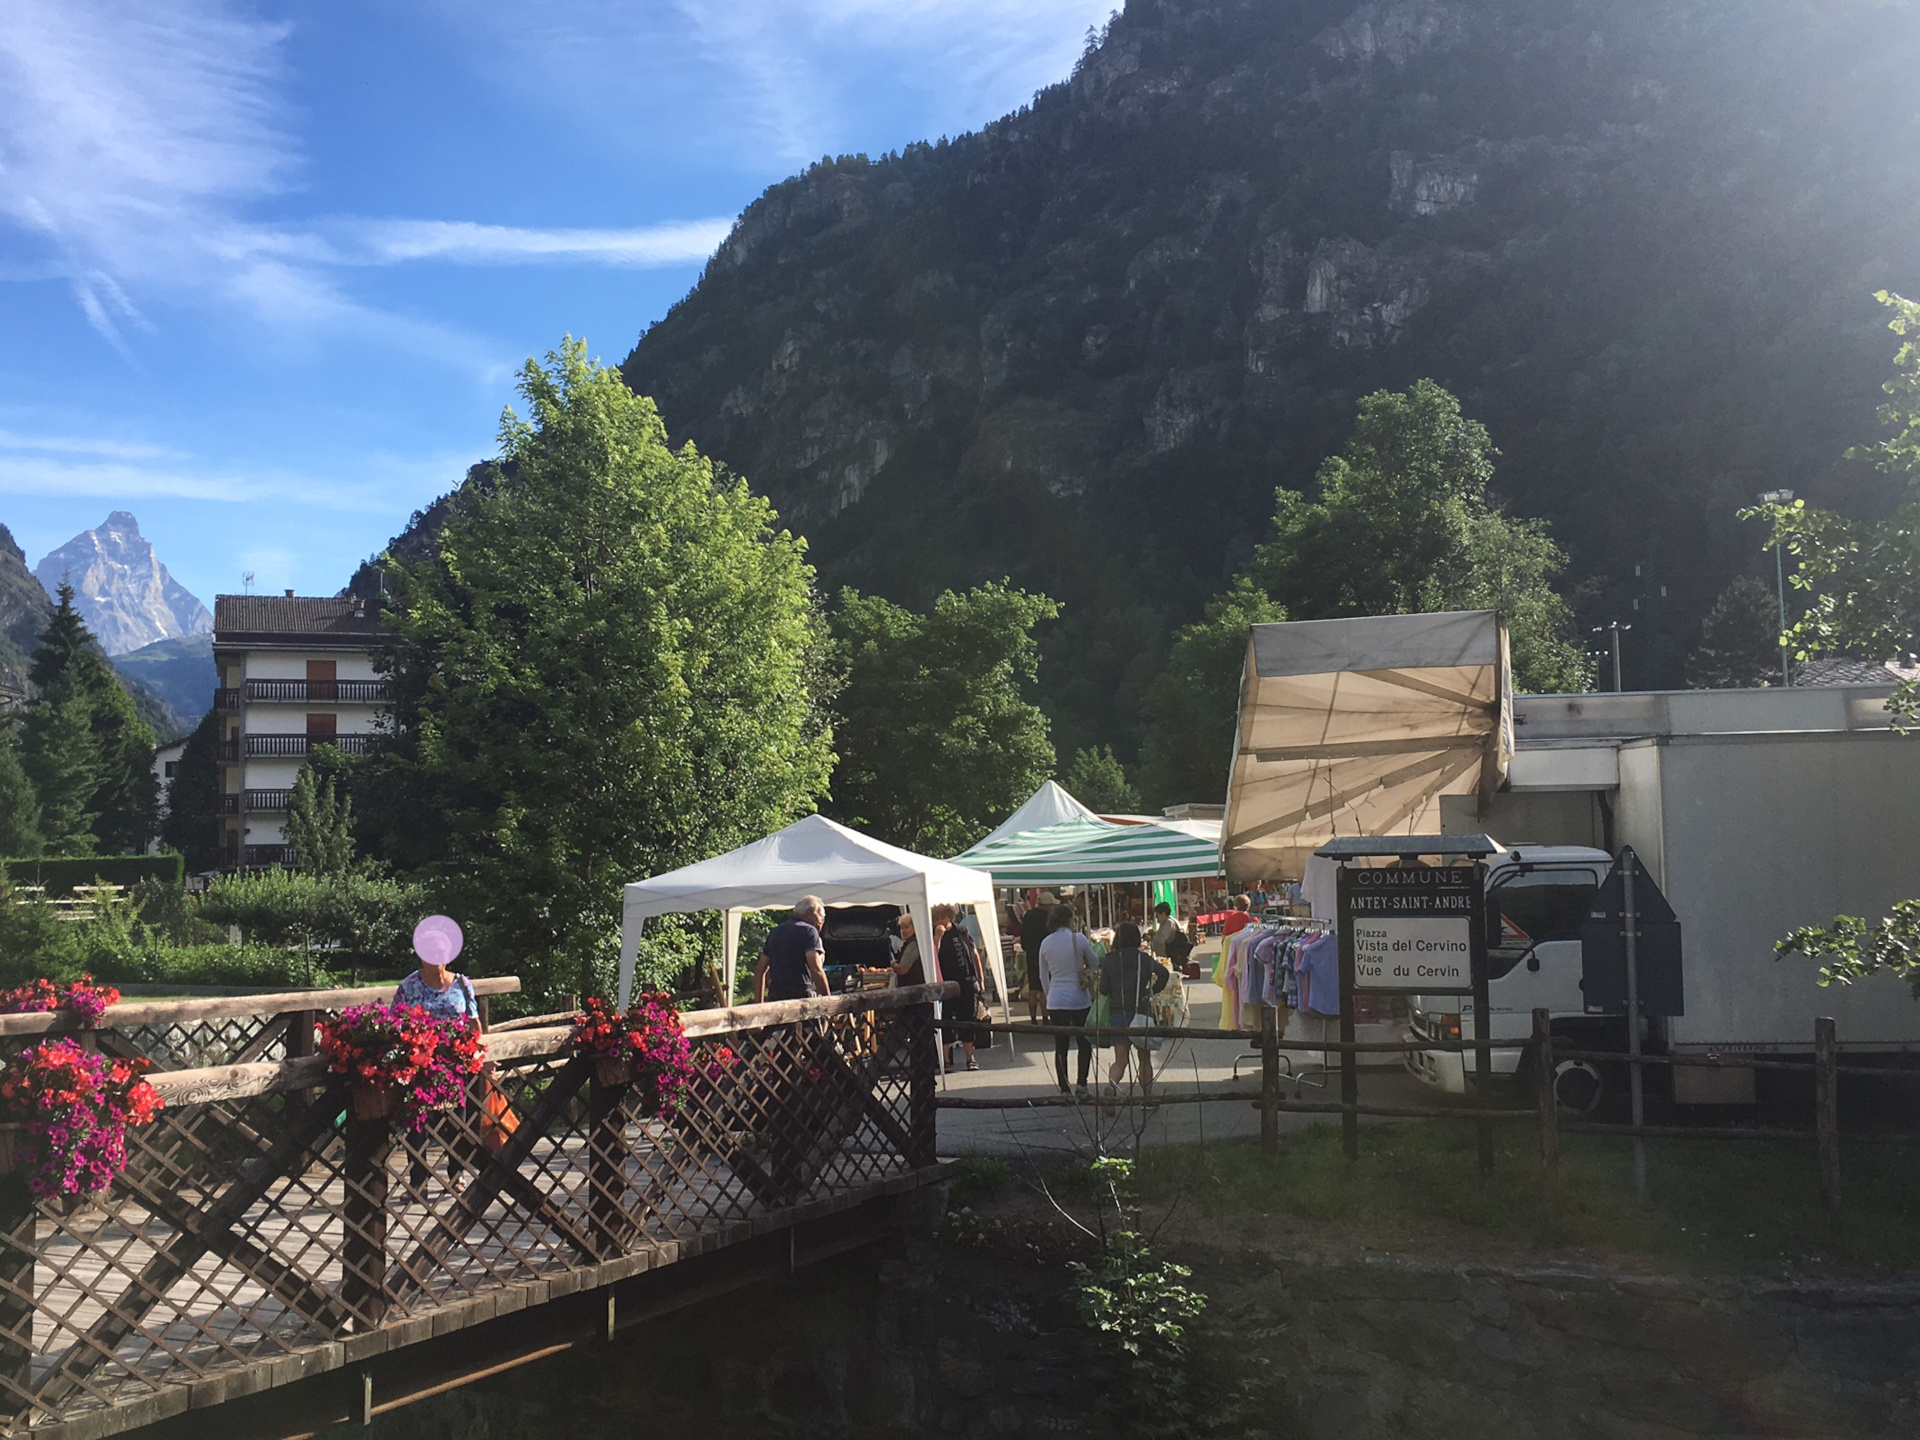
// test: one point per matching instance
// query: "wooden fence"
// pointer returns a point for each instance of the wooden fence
(261, 1233)
(1539, 1106)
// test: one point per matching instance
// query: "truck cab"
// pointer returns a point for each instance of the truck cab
(1537, 898)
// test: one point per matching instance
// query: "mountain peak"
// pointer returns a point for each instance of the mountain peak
(120, 587)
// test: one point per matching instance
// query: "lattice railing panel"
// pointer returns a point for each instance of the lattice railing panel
(248, 1228)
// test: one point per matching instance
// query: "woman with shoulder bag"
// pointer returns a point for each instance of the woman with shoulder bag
(1130, 977)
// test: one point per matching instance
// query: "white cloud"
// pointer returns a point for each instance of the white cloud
(136, 136)
(67, 466)
(462, 242)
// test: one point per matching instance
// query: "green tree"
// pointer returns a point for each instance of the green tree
(1862, 580)
(320, 824)
(192, 823)
(1099, 781)
(362, 919)
(1403, 523)
(19, 807)
(937, 742)
(1739, 639)
(59, 757)
(1191, 704)
(82, 721)
(608, 669)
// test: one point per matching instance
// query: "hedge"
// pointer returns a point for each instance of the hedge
(61, 875)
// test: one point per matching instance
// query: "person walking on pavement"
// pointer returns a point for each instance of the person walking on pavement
(1067, 965)
(1035, 925)
(1130, 977)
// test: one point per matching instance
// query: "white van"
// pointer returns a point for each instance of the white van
(1537, 898)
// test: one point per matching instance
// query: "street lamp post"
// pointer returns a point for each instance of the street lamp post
(1616, 627)
(1781, 497)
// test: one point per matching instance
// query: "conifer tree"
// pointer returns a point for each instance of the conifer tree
(81, 722)
(191, 826)
(19, 807)
(62, 762)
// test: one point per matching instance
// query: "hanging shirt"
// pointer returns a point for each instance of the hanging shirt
(1320, 964)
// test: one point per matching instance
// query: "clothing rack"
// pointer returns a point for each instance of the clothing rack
(1275, 918)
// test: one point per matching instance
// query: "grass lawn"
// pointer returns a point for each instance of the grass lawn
(1712, 1205)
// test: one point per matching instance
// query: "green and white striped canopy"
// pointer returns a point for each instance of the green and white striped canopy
(1093, 852)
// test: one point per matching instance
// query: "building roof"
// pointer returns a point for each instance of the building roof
(1839, 670)
(294, 619)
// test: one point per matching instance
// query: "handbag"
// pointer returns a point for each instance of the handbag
(498, 1118)
(1100, 1014)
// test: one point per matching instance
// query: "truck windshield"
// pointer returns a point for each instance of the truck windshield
(1535, 907)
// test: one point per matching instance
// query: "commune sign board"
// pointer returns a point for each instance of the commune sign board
(1414, 928)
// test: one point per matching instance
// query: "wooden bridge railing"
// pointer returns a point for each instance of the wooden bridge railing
(260, 1232)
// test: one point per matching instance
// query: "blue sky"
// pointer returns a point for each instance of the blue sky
(266, 270)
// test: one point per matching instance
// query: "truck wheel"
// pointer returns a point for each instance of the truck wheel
(1578, 1087)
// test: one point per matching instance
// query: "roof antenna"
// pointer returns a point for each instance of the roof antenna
(246, 582)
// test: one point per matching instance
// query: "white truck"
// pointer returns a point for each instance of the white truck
(1537, 898)
(1754, 811)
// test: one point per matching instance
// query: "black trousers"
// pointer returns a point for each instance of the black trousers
(1060, 1043)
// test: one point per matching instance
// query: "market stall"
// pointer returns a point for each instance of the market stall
(813, 856)
(1359, 727)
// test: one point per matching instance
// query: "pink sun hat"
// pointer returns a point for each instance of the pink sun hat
(437, 940)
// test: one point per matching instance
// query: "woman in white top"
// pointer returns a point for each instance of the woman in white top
(1066, 960)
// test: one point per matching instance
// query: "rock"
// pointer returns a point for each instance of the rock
(120, 587)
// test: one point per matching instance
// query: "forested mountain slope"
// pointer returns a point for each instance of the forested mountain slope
(1639, 238)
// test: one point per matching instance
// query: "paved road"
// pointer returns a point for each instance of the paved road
(1024, 1067)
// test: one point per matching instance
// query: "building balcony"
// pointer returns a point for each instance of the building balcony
(328, 692)
(297, 747)
(229, 805)
(227, 750)
(226, 699)
(270, 802)
(258, 857)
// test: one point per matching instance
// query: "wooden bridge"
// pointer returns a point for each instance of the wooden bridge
(263, 1242)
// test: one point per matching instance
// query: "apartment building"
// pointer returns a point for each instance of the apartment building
(295, 672)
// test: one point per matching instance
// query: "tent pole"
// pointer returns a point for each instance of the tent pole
(730, 953)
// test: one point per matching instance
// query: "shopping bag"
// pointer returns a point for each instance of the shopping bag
(498, 1118)
(1100, 1014)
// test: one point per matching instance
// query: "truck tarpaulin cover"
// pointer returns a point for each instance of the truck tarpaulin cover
(1358, 727)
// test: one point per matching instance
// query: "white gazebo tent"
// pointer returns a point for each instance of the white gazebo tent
(1359, 727)
(1051, 804)
(813, 856)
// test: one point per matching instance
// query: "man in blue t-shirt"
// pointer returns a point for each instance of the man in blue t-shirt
(793, 961)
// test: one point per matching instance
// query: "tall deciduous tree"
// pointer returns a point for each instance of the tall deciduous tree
(1190, 705)
(1862, 579)
(1404, 522)
(1099, 781)
(608, 669)
(320, 824)
(937, 742)
(82, 723)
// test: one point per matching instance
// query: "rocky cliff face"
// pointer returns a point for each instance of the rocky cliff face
(120, 587)
(1083, 346)
(23, 615)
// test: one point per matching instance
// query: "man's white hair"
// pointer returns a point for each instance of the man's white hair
(810, 905)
